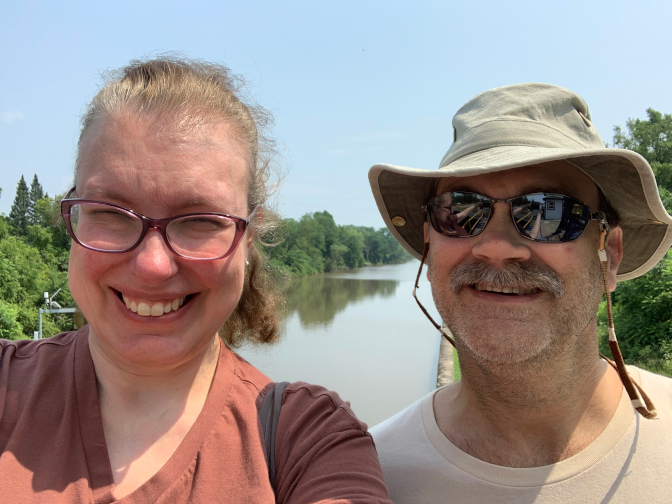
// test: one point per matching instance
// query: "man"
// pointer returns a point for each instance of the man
(557, 219)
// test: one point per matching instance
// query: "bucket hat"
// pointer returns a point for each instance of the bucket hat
(523, 125)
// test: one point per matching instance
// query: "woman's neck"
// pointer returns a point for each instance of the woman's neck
(147, 415)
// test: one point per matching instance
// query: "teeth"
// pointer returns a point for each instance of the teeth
(504, 290)
(144, 309)
(156, 309)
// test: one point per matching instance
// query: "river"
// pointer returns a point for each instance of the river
(359, 333)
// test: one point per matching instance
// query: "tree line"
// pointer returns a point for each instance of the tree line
(316, 244)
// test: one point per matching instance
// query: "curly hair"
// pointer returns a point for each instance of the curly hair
(186, 93)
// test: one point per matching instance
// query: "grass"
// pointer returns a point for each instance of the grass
(457, 374)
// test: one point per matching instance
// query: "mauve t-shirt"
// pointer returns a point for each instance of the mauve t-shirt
(53, 446)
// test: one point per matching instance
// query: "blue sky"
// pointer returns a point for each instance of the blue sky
(351, 84)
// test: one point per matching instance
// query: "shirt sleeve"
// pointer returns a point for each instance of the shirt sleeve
(323, 453)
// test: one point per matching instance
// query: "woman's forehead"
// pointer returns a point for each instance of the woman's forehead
(126, 159)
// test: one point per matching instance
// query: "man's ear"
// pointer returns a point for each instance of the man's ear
(614, 248)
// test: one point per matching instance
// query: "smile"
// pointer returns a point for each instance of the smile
(156, 308)
(506, 290)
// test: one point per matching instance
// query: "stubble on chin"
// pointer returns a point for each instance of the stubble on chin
(514, 340)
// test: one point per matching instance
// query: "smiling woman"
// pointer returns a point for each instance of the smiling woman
(147, 404)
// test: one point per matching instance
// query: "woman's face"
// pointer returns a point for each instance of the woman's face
(159, 171)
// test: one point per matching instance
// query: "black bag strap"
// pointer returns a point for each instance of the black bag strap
(269, 413)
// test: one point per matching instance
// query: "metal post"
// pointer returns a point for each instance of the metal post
(40, 331)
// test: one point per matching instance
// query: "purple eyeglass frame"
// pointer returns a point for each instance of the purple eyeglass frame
(158, 224)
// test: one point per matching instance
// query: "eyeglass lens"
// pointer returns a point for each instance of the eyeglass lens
(111, 229)
(546, 217)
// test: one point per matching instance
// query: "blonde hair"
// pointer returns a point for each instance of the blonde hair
(186, 93)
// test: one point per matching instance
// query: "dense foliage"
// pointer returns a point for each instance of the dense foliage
(315, 244)
(33, 260)
(643, 306)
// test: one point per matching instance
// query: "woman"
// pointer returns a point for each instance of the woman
(146, 403)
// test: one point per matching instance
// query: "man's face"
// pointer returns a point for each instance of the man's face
(497, 328)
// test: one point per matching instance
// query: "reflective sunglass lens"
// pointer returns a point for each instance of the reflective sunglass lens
(459, 213)
(549, 216)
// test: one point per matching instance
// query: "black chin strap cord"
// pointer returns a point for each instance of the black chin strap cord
(415, 288)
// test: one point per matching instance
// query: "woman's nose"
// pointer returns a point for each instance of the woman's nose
(153, 261)
(499, 243)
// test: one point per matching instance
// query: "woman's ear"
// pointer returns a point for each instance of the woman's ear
(614, 248)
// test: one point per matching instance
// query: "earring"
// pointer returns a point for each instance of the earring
(247, 267)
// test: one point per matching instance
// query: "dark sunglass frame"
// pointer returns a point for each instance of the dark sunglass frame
(587, 212)
(159, 224)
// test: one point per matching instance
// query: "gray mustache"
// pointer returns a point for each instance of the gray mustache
(528, 275)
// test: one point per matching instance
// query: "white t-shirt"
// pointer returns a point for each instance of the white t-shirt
(630, 462)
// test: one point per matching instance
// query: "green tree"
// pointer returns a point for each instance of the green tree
(644, 309)
(10, 327)
(316, 244)
(354, 241)
(652, 139)
(36, 194)
(19, 213)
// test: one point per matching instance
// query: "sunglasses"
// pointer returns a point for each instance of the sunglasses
(540, 216)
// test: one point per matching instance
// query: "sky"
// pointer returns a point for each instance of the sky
(350, 83)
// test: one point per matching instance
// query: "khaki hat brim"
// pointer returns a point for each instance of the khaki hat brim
(623, 176)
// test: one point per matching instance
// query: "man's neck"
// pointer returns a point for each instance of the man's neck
(529, 417)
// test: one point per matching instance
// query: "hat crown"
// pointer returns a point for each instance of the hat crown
(531, 115)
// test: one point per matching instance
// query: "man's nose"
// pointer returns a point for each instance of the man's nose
(499, 243)
(153, 261)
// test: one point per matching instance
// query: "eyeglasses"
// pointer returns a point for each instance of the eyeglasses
(541, 216)
(106, 227)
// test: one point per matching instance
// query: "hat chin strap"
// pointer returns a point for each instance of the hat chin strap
(415, 288)
(640, 401)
